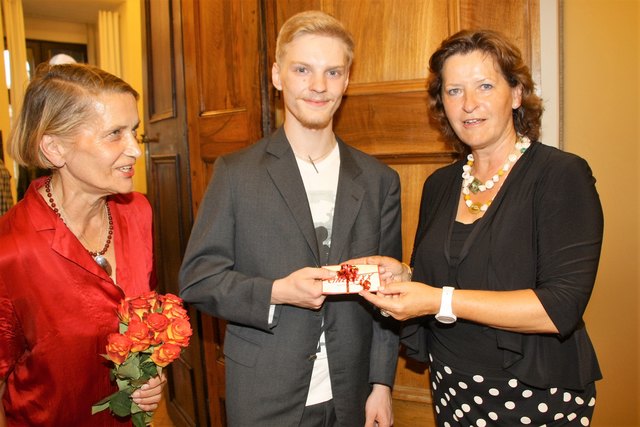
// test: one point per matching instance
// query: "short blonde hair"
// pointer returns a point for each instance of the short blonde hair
(313, 22)
(59, 101)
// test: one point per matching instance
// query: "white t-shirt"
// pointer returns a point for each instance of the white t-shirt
(321, 184)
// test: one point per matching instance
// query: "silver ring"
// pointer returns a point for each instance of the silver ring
(384, 313)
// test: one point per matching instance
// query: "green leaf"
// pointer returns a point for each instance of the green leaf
(100, 406)
(123, 328)
(149, 369)
(124, 385)
(129, 369)
(139, 420)
(121, 404)
(135, 408)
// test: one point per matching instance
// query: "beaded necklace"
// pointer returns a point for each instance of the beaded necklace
(98, 257)
(472, 185)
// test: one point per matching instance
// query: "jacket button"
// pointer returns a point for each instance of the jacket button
(313, 357)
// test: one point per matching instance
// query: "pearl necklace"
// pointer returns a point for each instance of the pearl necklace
(472, 185)
(98, 257)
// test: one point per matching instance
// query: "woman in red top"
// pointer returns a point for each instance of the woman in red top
(77, 243)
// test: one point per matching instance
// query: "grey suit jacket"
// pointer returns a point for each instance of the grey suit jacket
(255, 226)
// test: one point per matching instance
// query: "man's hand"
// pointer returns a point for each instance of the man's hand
(379, 409)
(302, 288)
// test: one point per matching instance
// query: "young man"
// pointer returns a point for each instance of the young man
(275, 213)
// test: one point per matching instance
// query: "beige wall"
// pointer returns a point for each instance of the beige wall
(131, 42)
(602, 124)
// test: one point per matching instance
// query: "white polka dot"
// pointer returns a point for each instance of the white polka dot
(579, 400)
(553, 390)
(572, 416)
(558, 416)
(478, 400)
(430, 358)
(527, 394)
(543, 425)
(437, 409)
(448, 370)
(439, 375)
(452, 391)
(434, 386)
(566, 396)
(493, 416)
(513, 383)
(455, 418)
(463, 385)
(481, 422)
(592, 401)
(446, 395)
(444, 402)
(459, 413)
(525, 420)
(478, 378)
(446, 424)
(509, 405)
(543, 407)
(466, 408)
(584, 421)
(494, 391)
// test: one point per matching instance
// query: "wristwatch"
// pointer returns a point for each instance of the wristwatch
(445, 315)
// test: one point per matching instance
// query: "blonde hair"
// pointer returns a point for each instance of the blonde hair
(58, 101)
(313, 22)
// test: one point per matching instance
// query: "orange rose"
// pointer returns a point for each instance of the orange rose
(123, 311)
(153, 298)
(140, 335)
(118, 347)
(175, 312)
(165, 354)
(157, 322)
(179, 332)
(172, 307)
(139, 306)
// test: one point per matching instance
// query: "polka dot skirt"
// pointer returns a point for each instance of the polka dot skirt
(462, 399)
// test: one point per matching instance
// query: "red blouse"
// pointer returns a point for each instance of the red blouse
(57, 307)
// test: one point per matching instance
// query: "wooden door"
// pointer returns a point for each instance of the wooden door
(169, 191)
(225, 76)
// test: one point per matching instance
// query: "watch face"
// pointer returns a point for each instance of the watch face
(446, 318)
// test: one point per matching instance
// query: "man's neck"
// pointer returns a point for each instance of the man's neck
(310, 143)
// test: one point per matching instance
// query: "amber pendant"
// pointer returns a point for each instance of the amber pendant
(474, 187)
(103, 263)
(474, 209)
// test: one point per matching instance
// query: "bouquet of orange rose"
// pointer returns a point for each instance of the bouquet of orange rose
(154, 329)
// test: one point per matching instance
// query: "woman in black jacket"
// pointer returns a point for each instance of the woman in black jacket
(505, 255)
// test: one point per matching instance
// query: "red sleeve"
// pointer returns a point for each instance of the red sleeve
(11, 336)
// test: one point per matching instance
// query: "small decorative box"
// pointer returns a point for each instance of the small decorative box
(352, 279)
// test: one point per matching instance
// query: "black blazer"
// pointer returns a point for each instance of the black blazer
(255, 226)
(543, 232)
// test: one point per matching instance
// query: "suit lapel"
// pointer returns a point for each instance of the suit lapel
(283, 169)
(348, 202)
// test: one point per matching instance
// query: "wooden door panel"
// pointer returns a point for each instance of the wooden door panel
(168, 191)
(222, 67)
